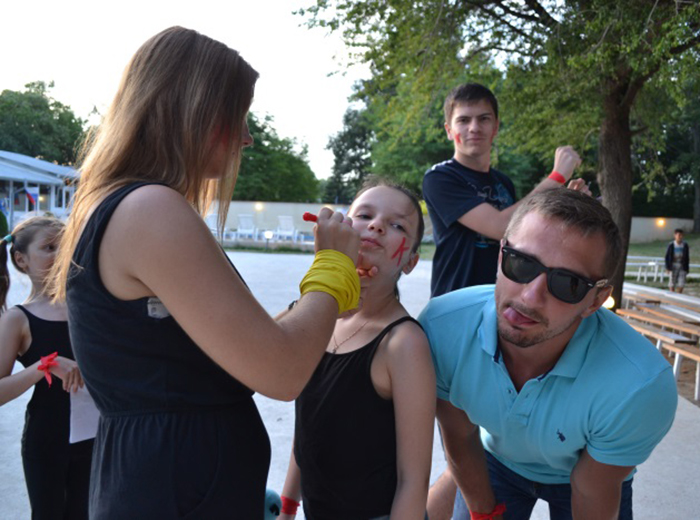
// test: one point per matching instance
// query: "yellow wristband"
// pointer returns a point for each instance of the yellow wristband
(334, 273)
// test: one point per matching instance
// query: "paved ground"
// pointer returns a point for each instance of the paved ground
(665, 487)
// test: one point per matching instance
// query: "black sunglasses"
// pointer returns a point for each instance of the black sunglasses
(564, 285)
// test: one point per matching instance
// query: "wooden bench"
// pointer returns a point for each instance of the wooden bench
(681, 346)
(662, 337)
(635, 298)
(673, 324)
(693, 355)
(668, 300)
(667, 314)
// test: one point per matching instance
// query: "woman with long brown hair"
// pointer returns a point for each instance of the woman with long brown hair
(170, 341)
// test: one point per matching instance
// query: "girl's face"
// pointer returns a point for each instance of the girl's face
(388, 225)
(37, 261)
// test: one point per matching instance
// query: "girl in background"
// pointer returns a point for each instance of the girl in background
(170, 341)
(364, 423)
(56, 472)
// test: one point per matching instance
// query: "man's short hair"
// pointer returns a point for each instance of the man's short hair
(678, 231)
(468, 94)
(578, 211)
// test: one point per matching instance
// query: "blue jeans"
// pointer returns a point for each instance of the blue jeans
(520, 494)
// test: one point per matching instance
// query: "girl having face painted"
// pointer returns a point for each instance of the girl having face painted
(364, 423)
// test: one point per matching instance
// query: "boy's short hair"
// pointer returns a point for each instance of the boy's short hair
(678, 231)
(469, 93)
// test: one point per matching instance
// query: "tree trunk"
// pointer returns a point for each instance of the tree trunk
(615, 175)
(696, 178)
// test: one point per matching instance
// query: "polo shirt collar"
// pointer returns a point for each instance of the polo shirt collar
(574, 356)
(488, 330)
(570, 362)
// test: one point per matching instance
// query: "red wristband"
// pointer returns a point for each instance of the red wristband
(558, 177)
(498, 510)
(289, 506)
(46, 363)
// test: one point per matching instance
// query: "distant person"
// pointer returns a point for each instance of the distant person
(469, 202)
(543, 394)
(364, 424)
(170, 341)
(677, 262)
(57, 473)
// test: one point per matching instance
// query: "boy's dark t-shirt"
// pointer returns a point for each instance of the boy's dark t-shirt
(463, 257)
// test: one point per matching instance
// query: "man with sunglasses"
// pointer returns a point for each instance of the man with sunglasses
(543, 394)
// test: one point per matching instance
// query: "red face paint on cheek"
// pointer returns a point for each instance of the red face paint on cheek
(400, 251)
(458, 138)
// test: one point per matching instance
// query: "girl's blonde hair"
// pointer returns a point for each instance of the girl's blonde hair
(181, 95)
(19, 240)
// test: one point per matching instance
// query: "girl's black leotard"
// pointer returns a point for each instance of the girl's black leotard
(56, 472)
(345, 438)
(178, 437)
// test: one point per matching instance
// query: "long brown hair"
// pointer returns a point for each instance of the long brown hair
(180, 93)
(19, 241)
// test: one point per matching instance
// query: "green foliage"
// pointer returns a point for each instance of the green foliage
(272, 169)
(33, 123)
(351, 148)
(4, 227)
(569, 68)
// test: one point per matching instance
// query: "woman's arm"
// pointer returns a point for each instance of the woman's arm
(292, 483)
(14, 328)
(413, 392)
(155, 244)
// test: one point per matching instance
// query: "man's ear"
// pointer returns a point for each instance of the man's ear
(598, 301)
(412, 261)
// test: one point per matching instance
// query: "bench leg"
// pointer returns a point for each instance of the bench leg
(677, 365)
(658, 345)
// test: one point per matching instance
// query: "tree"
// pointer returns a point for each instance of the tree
(575, 68)
(33, 123)
(272, 170)
(351, 149)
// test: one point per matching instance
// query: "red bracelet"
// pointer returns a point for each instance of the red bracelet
(557, 177)
(46, 363)
(498, 510)
(289, 506)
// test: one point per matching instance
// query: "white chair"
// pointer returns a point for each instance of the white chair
(246, 227)
(212, 224)
(285, 229)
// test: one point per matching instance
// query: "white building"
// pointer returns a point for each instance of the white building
(33, 186)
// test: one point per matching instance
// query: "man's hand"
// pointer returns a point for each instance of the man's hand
(565, 161)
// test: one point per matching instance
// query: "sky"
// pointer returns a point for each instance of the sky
(83, 46)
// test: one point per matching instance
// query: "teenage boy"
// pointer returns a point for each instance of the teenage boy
(469, 202)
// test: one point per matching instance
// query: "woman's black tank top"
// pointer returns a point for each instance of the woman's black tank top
(178, 437)
(133, 355)
(345, 438)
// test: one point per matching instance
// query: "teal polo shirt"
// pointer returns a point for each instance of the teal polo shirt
(611, 391)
